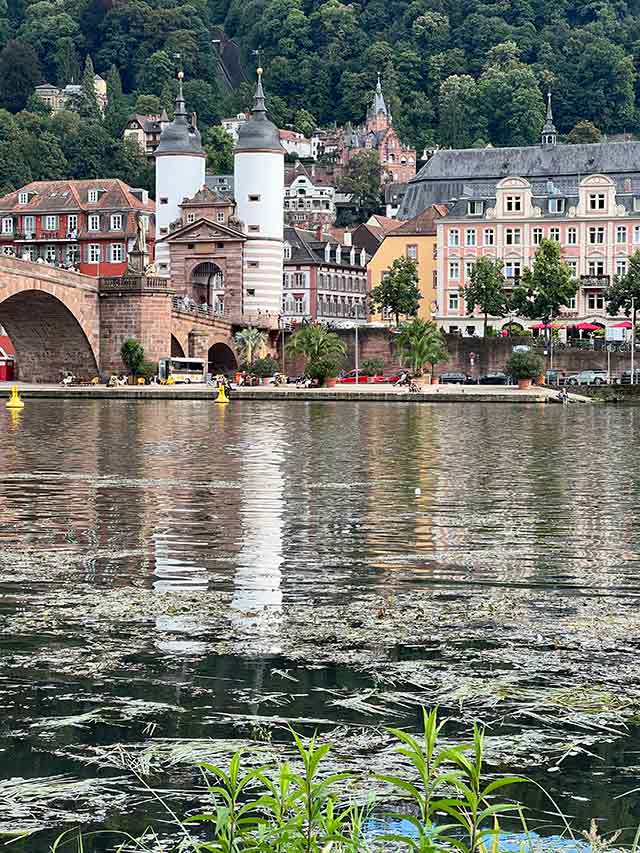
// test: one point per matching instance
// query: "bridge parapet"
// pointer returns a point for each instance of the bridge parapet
(184, 305)
(134, 283)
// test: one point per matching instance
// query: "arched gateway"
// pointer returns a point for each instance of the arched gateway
(52, 319)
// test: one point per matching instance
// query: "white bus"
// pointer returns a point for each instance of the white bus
(186, 370)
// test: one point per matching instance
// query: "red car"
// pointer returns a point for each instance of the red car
(350, 378)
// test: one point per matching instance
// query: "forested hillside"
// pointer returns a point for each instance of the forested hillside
(454, 73)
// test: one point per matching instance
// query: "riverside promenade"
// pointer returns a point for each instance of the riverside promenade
(341, 393)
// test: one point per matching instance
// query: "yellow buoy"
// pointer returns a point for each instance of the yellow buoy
(222, 395)
(14, 401)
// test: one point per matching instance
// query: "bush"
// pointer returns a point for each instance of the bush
(148, 369)
(525, 365)
(372, 367)
(263, 367)
(322, 369)
(132, 354)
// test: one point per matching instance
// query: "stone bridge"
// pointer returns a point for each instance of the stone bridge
(61, 320)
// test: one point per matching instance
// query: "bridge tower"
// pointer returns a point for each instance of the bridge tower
(258, 168)
(180, 170)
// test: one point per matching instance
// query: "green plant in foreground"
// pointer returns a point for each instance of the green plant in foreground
(132, 355)
(302, 806)
(525, 365)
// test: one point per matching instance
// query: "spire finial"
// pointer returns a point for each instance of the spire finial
(180, 108)
(258, 100)
(549, 112)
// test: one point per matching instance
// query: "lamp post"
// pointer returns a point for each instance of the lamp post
(282, 344)
(357, 352)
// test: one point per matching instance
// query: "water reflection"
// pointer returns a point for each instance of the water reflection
(269, 507)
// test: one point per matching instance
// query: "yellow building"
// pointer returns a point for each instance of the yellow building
(415, 239)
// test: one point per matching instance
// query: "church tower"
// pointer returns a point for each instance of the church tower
(180, 167)
(258, 170)
(378, 117)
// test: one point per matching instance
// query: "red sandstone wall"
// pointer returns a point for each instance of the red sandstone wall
(143, 316)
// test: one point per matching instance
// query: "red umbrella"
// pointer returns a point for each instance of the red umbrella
(587, 327)
(546, 326)
(625, 324)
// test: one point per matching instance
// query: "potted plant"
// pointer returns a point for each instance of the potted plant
(132, 355)
(421, 342)
(323, 351)
(264, 368)
(525, 366)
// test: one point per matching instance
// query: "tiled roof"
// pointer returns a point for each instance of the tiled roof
(422, 224)
(73, 195)
(307, 248)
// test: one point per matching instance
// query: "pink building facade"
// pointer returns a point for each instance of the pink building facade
(597, 226)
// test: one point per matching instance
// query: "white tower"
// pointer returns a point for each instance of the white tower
(258, 169)
(180, 165)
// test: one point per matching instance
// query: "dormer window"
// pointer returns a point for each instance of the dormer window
(93, 196)
(556, 205)
(636, 204)
(513, 204)
(338, 254)
(23, 198)
(596, 201)
(327, 252)
(474, 208)
(287, 252)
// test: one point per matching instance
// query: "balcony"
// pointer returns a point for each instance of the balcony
(44, 236)
(598, 281)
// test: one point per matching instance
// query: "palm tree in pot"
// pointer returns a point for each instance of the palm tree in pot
(421, 342)
(323, 352)
(251, 342)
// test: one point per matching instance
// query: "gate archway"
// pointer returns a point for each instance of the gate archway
(221, 359)
(207, 280)
(177, 350)
(46, 336)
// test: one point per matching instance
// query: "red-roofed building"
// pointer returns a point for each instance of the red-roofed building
(86, 225)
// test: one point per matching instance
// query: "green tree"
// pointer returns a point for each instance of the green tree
(584, 132)
(66, 62)
(304, 122)
(132, 355)
(219, 147)
(545, 288)
(421, 342)
(362, 180)
(623, 296)
(458, 107)
(399, 290)
(157, 69)
(486, 289)
(147, 105)
(19, 74)
(88, 104)
(250, 342)
(323, 351)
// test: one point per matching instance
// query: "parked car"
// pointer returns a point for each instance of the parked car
(350, 378)
(555, 377)
(589, 377)
(453, 378)
(497, 377)
(625, 377)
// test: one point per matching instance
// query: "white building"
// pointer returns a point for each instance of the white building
(258, 170)
(180, 173)
(233, 124)
(309, 197)
(298, 144)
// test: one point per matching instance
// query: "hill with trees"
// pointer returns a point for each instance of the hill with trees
(458, 74)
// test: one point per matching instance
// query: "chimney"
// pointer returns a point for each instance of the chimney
(347, 238)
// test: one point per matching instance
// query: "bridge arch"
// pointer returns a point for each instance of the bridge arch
(221, 358)
(177, 349)
(47, 336)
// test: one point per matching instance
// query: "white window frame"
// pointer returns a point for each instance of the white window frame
(191, 217)
(115, 222)
(537, 235)
(572, 236)
(7, 224)
(116, 249)
(572, 263)
(556, 205)
(470, 237)
(92, 196)
(475, 208)
(489, 237)
(468, 269)
(513, 204)
(72, 222)
(621, 234)
(454, 238)
(592, 267)
(454, 270)
(50, 223)
(220, 216)
(50, 253)
(595, 301)
(512, 237)
(23, 198)
(597, 201)
(554, 234)
(621, 266)
(92, 219)
(636, 234)
(597, 231)
(94, 253)
(511, 266)
(454, 302)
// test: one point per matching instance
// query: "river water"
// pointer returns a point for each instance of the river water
(178, 578)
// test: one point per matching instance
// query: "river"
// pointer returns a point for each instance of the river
(177, 578)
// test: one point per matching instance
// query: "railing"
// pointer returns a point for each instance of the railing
(260, 319)
(594, 281)
(134, 282)
(44, 236)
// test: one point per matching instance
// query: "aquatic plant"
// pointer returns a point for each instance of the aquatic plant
(305, 806)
